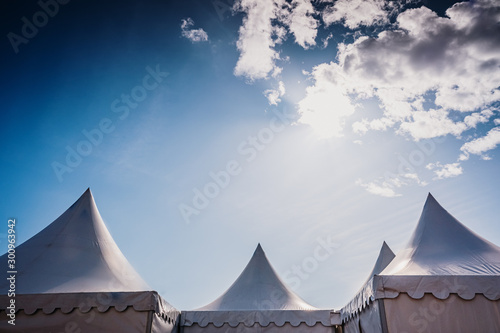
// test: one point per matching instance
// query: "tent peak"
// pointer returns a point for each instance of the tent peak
(359, 301)
(440, 245)
(431, 200)
(258, 288)
(87, 193)
(75, 253)
(385, 256)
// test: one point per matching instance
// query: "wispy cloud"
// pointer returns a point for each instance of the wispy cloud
(481, 145)
(274, 95)
(383, 189)
(387, 186)
(302, 24)
(356, 13)
(431, 124)
(194, 35)
(478, 118)
(257, 38)
(325, 40)
(266, 25)
(445, 171)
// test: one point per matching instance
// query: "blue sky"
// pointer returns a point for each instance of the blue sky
(300, 123)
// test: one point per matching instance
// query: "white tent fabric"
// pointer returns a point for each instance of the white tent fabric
(443, 256)
(444, 266)
(364, 296)
(75, 253)
(254, 288)
(259, 301)
(384, 258)
(74, 263)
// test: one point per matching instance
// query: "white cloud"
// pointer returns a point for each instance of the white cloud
(281, 88)
(325, 106)
(449, 63)
(302, 23)
(478, 117)
(361, 127)
(325, 41)
(266, 25)
(431, 124)
(273, 95)
(412, 178)
(383, 190)
(445, 171)
(380, 124)
(431, 75)
(386, 186)
(257, 38)
(355, 13)
(481, 145)
(194, 35)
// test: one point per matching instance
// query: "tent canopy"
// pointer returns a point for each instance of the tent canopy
(75, 263)
(385, 256)
(441, 245)
(443, 257)
(75, 253)
(258, 288)
(362, 297)
(259, 296)
(445, 269)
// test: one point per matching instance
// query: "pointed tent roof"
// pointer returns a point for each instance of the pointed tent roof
(75, 253)
(362, 298)
(441, 245)
(259, 296)
(258, 288)
(385, 256)
(443, 256)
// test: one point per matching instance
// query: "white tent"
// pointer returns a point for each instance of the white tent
(259, 301)
(71, 276)
(447, 279)
(353, 318)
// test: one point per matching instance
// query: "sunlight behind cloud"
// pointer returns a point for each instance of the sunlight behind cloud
(325, 107)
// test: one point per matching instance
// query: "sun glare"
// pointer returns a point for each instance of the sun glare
(325, 109)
